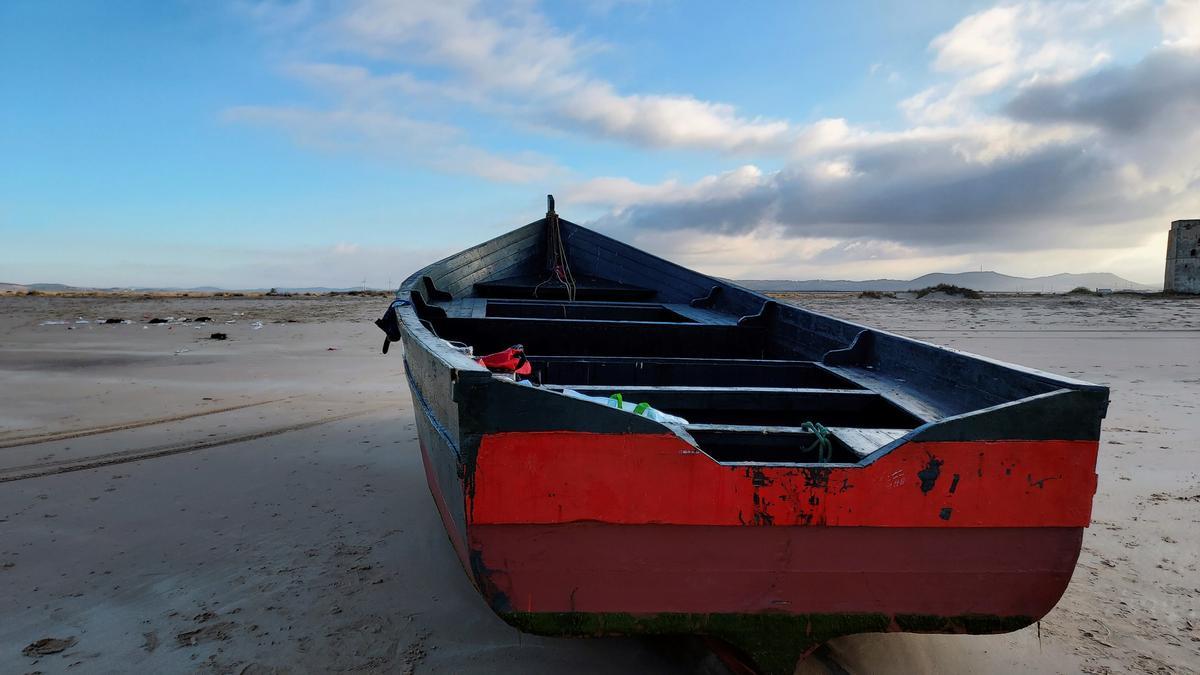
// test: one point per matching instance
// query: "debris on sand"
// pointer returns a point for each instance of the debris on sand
(202, 319)
(151, 642)
(157, 320)
(107, 321)
(256, 325)
(218, 336)
(342, 549)
(47, 646)
(209, 633)
(414, 654)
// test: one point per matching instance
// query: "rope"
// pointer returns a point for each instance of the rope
(821, 443)
(560, 268)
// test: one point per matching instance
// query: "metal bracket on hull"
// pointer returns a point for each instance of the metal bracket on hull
(858, 352)
(433, 293)
(708, 300)
(762, 318)
(426, 310)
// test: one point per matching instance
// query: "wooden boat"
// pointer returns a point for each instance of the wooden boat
(949, 494)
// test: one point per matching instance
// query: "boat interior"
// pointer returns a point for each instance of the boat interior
(746, 372)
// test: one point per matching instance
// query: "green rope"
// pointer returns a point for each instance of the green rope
(821, 443)
(640, 409)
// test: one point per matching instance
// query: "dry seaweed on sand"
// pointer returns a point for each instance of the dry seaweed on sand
(950, 289)
(47, 646)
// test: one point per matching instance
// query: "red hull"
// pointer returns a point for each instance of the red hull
(635, 479)
(552, 527)
(590, 567)
(834, 479)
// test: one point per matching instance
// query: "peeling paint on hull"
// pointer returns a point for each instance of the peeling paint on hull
(558, 477)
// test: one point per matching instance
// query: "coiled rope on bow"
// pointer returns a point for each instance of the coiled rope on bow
(556, 253)
(821, 442)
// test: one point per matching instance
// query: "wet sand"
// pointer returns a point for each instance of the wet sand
(174, 503)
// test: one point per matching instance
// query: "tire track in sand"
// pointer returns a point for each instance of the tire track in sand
(96, 461)
(49, 437)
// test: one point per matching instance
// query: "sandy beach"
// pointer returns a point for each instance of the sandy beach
(170, 502)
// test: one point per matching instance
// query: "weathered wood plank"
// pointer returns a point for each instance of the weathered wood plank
(865, 441)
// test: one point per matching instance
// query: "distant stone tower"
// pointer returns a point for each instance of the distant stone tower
(1183, 257)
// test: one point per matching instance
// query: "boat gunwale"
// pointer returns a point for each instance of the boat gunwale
(418, 329)
(411, 284)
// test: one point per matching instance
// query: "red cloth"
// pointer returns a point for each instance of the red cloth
(511, 360)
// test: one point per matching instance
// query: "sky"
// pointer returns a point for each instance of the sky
(250, 144)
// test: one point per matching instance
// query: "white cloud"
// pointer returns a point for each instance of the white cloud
(776, 254)
(622, 192)
(988, 38)
(1180, 21)
(1012, 44)
(512, 61)
(386, 135)
(669, 121)
(511, 48)
(965, 172)
(1089, 161)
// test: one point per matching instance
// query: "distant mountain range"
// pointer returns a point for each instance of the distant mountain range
(172, 289)
(987, 282)
(35, 287)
